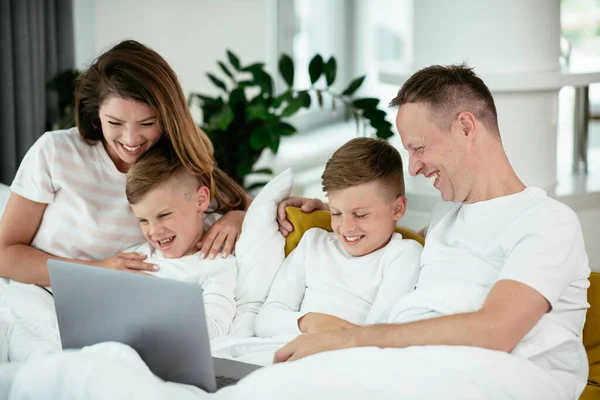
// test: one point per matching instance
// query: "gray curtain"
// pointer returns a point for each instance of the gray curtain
(36, 42)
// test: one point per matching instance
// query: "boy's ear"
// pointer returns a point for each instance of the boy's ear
(203, 198)
(399, 207)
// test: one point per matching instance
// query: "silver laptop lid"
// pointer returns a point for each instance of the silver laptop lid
(163, 320)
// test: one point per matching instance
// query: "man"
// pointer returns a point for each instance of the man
(509, 260)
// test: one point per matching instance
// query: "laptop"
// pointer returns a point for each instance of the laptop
(162, 319)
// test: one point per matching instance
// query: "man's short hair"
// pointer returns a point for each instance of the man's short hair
(363, 160)
(448, 91)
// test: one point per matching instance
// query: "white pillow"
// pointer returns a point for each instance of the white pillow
(259, 252)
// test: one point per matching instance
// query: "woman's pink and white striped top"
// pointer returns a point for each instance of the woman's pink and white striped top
(88, 216)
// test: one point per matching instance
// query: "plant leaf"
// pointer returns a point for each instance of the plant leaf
(384, 133)
(263, 80)
(263, 171)
(260, 138)
(286, 68)
(291, 109)
(305, 98)
(381, 124)
(330, 71)
(244, 166)
(320, 98)
(257, 112)
(209, 101)
(279, 99)
(233, 59)
(253, 67)
(283, 129)
(353, 86)
(274, 143)
(222, 119)
(246, 83)
(365, 103)
(226, 70)
(236, 97)
(216, 81)
(315, 68)
(375, 114)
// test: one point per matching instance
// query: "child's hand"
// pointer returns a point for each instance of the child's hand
(320, 323)
(223, 233)
(127, 262)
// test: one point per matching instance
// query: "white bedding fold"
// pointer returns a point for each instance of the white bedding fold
(28, 325)
(112, 370)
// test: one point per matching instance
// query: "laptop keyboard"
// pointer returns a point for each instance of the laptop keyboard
(223, 381)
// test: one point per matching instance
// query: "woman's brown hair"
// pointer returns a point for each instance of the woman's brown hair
(133, 71)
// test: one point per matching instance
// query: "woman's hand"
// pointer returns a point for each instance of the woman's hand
(306, 205)
(320, 323)
(223, 233)
(132, 262)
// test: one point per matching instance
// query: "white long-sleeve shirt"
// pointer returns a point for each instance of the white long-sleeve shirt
(216, 277)
(319, 276)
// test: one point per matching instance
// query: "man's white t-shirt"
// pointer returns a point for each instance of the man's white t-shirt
(319, 276)
(525, 237)
(88, 216)
(216, 277)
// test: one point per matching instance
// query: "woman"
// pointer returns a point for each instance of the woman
(68, 196)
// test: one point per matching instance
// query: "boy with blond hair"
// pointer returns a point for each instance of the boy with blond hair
(170, 203)
(357, 273)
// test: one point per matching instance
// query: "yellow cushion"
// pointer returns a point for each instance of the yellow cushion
(591, 330)
(322, 219)
(590, 392)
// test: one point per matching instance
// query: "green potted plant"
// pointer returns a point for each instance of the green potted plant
(249, 116)
(63, 84)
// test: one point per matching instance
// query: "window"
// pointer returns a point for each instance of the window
(580, 48)
(307, 28)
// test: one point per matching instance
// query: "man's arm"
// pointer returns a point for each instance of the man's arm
(500, 324)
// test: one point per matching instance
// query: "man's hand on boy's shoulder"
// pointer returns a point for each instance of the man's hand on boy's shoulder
(319, 323)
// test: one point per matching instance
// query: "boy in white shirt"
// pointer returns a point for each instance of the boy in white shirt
(170, 204)
(356, 274)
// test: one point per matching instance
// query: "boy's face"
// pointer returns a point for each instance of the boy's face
(364, 217)
(172, 216)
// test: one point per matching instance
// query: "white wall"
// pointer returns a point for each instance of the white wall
(190, 34)
(84, 27)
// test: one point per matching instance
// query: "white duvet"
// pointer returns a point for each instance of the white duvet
(28, 325)
(38, 369)
(112, 370)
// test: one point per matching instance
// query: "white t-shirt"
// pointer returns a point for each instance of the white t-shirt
(88, 216)
(216, 277)
(319, 276)
(526, 237)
